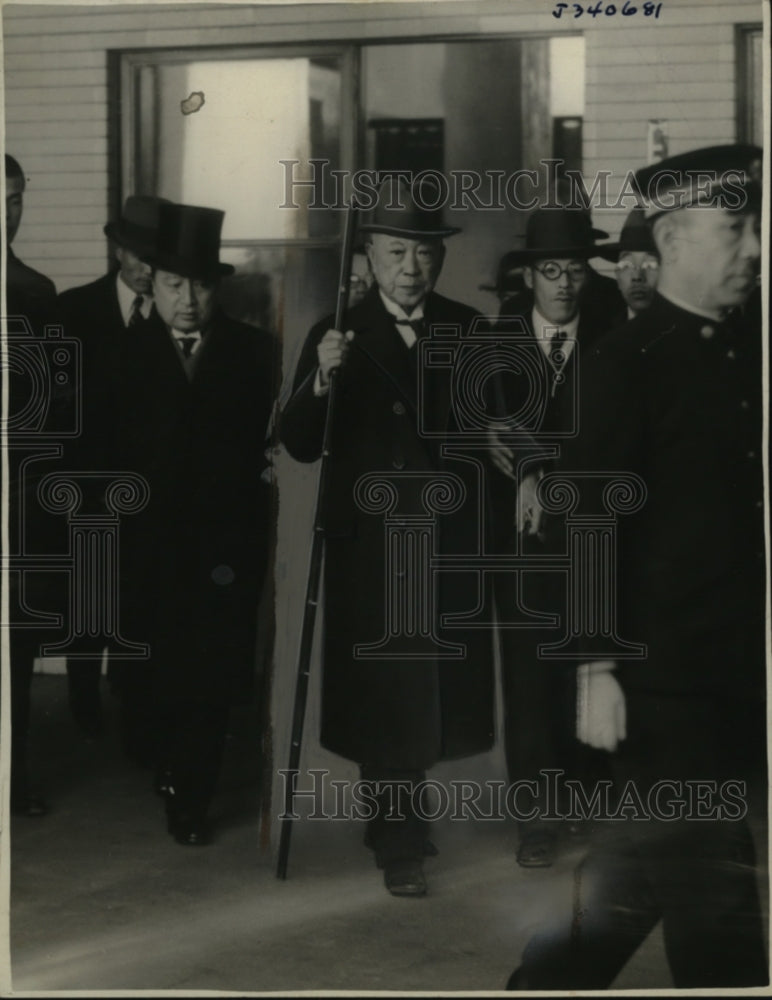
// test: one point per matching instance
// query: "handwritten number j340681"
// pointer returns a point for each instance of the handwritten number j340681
(627, 9)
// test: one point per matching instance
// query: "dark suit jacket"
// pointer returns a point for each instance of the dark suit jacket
(48, 405)
(29, 293)
(194, 559)
(91, 314)
(400, 711)
(675, 398)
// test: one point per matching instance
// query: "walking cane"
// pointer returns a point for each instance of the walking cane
(315, 562)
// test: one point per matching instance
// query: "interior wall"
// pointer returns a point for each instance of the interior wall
(681, 68)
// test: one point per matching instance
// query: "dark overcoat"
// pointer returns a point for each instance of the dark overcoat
(676, 398)
(91, 314)
(193, 561)
(397, 711)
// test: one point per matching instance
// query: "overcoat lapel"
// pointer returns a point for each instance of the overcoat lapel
(382, 346)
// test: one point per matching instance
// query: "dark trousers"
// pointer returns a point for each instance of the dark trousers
(695, 874)
(192, 737)
(539, 695)
(24, 645)
(397, 832)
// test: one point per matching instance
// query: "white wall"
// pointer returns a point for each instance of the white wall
(680, 68)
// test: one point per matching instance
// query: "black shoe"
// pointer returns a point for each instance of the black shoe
(537, 848)
(192, 832)
(187, 826)
(28, 805)
(404, 878)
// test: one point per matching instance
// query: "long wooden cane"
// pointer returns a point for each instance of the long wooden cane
(315, 563)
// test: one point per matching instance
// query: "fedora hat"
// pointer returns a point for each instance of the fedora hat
(137, 226)
(188, 242)
(414, 210)
(559, 232)
(636, 237)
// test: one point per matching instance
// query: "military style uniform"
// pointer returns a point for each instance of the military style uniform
(676, 398)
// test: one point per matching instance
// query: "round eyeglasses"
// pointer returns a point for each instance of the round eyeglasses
(551, 270)
(626, 266)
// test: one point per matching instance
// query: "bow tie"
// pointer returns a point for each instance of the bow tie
(416, 325)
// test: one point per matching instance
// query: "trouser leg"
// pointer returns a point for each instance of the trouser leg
(397, 832)
(194, 739)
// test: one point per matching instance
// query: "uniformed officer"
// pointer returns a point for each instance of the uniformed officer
(675, 397)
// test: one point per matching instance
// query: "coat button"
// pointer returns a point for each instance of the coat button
(751, 455)
(730, 354)
(744, 404)
(398, 408)
(707, 332)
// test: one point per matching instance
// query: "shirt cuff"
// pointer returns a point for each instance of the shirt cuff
(319, 389)
(596, 667)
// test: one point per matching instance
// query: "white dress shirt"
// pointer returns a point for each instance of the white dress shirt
(545, 329)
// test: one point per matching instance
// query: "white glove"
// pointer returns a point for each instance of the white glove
(529, 511)
(601, 717)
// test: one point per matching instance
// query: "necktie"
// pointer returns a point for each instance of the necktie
(136, 317)
(557, 352)
(187, 344)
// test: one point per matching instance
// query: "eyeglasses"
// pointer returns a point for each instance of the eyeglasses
(625, 266)
(576, 270)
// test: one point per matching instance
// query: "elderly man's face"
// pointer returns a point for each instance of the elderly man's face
(406, 270)
(637, 274)
(557, 298)
(715, 254)
(14, 204)
(186, 304)
(134, 272)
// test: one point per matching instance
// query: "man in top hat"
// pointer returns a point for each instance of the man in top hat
(559, 242)
(98, 314)
(396, 714)
(193, 393)
(674, 396)
(636, 261)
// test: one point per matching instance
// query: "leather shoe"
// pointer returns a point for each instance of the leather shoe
(188, 828)
(404, 878)
(537, 848)
(192, 833)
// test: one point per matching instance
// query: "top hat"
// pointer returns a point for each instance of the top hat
(137, 226)
(727, 175)
(509, 277)
(188, 242)
(559, 232)
(414, 210)
(635, 237)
